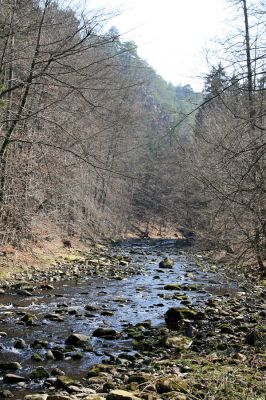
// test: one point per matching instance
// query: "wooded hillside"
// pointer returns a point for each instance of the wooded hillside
(84, 120)
(93, 140)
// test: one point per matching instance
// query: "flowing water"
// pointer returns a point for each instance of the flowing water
(129, 301)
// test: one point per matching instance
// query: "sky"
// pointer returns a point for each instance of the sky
(171, 35)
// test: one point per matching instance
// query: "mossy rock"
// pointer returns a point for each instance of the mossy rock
(178, 343)
(226, 328)
(167, 262)
(36, 357)
(20, 344)
(10, 366)
(39, 344)
(172, 286)
(40, 373)
(144, 324)
(171, 383)
(140, 378)
(65, 381)
(28, 319)
(98, 369)
(144, 345)
(77, 340)
(106, 333)
(175, 315)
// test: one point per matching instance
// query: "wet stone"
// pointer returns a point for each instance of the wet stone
(23, 292)
(20, 344)
(57, 372)
(40, 373)
(175, 315)
(58, 354)
(167, 262)
(10, 366)
(106, 333)
(77, 340)
(39, 344)
(36, 357)
(12, 378)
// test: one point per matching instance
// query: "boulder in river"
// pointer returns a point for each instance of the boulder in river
(106, 333)
(40, 373)
(11, 378)
(20, 344)
(64, 381)
(28, 319)
(175, 315)
(172, 286)
(10, 366)
(167, 262)
(77, 340)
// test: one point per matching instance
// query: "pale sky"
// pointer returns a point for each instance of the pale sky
(171, 35)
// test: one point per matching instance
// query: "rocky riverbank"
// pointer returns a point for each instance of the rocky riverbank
(208, 349)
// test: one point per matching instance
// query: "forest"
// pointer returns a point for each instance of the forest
(132, 213)
(94, 141)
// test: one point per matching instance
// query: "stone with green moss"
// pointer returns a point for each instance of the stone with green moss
(10, 366)
(167, 262)
(175, 315)
(98, 369)
(36, 357)
(65, 381)
(77, 340)
(178, 343)
(40, 373)
(171, 383)
(172, 286)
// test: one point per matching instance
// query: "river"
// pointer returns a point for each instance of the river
(87, 303)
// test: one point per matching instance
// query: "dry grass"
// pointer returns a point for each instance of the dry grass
(46, 249)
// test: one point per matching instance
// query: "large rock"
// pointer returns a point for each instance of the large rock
(172, 286)
(175, 315)
(178, 343)
(10, 366)
(121, 395)
(11, 378)
(170, 383)
(77, 340)
(98, 369)
(20, 344)
(6, 394)
(106, 333)
(40, 373)
(166, 263)
(65, 381)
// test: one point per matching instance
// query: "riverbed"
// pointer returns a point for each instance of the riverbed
(83, 304)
